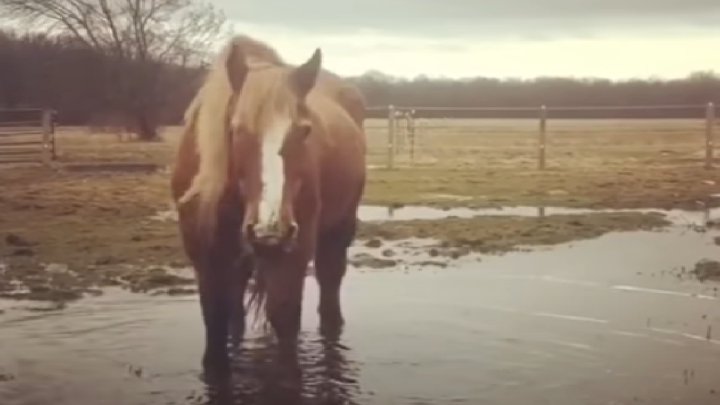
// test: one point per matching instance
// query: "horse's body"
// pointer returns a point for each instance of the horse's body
(269, 176)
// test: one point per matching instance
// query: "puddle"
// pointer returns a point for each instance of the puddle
(383, 213)
(609, 320)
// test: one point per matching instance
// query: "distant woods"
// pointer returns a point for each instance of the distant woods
(681, 98)
(81, 83)
(125, 63)
(134, 62)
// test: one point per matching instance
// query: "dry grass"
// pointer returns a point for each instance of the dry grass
(591, 163)
(608, 163)
(98, 224)
(570, 143)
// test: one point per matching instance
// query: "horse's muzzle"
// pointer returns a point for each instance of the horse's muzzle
(279, 237)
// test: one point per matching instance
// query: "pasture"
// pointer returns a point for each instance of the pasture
(594, 269)
(590, 163)
(113, 225)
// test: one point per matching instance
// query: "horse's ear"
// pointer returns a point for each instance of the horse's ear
(304, 76)
(236, 67)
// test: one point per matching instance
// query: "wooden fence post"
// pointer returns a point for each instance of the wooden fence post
(542, 138)
(709, 134)
(391, 137)
(411, 134)
(47, 134)
(53, 135)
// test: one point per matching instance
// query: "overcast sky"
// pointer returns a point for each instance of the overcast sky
(500, 38)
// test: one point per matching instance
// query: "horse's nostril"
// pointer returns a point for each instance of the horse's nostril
(263, 237)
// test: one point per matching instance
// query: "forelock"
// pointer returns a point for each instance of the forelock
(265, 95)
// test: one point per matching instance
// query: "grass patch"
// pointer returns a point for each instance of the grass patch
(503, 234)
(707, 270)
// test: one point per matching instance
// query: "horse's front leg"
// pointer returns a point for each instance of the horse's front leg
(330, 267)
(216, 302)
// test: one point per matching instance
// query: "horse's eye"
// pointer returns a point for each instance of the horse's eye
(296, 137)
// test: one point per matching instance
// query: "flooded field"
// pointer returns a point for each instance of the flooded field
(619, 319)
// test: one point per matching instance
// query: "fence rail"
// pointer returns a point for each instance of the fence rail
(402, 122)
(27, 136)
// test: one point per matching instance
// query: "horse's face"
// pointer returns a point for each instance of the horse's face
(270, 155)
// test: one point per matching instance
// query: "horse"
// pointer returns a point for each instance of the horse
(268, 176)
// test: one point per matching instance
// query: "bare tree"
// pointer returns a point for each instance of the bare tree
(147, 43)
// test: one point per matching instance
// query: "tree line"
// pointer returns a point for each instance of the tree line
(130, 64)
(563, 97)
(82, 84)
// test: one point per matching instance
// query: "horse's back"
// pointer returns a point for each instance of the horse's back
(345, 94)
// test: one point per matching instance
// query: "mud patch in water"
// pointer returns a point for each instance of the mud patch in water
(707, 270)
(59, 284)
(408, 254)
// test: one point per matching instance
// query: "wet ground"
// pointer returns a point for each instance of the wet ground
(419, 212)
(615, 320)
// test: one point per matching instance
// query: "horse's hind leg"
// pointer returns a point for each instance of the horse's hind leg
(330, 267)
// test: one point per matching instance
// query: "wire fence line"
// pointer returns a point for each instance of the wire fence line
(549, 108)
(405, 128)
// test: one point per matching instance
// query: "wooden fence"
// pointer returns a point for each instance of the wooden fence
(27, 136)
(401, 124)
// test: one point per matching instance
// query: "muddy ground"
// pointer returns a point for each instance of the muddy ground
(68, 232)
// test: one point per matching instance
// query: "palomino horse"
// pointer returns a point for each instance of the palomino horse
(269, 175)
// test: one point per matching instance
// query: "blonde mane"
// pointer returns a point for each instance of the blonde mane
(208, 113)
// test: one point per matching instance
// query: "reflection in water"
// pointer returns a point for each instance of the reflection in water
(429, 211)
(118, 343)
(315, 371)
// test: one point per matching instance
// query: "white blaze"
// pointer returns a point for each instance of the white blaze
(272, 174)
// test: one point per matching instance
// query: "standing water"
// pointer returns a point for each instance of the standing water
(613, 320)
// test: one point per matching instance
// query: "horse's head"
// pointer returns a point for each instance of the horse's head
(270, 123)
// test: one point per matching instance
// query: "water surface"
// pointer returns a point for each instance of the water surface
(616, 320)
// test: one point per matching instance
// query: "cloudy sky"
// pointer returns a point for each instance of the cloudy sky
(498, 38)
